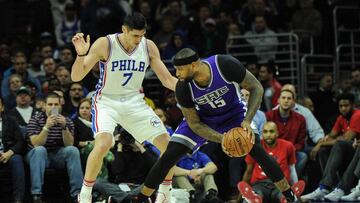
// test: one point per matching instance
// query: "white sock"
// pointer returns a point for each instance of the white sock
(166, 186)
(87, 187)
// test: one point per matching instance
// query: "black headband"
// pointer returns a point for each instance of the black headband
(186, 60)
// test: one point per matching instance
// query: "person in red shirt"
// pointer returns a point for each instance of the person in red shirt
(272, 87)
(291, 126)
(347, 125)
(284, 154)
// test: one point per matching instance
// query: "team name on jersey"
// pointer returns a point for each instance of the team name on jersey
(128, 65)
(211, 96)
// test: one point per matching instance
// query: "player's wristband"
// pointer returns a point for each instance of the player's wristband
(81, 55)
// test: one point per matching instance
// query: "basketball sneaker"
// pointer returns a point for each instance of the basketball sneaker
(163, 197)
(84, 198)
(248, 193)
(298, 189)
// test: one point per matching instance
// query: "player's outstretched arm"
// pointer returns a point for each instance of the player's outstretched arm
(159, 67)
(86, 56)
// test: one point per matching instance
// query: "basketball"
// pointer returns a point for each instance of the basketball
(237, 143)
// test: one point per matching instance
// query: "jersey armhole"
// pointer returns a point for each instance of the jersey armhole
(109, 49)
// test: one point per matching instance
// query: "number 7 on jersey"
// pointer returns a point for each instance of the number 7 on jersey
(128, 75)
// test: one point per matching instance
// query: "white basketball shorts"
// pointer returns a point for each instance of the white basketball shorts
(131, 112)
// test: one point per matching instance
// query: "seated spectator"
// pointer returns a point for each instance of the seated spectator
(15, 82)
(197, 169)
(172, 110)
(272, 87)
(68, 27)
(23, 110)
(35, 68)
(163, 36)
(63, 75)
(50, 139)
(264, 46)
(163, 117)
(348, 124)
(284, 154)
(314, 130)
(12, 146)
(324, 101)
(308, 103)
(306, 19)
(343, 129)
(66, 55)
(291, 126)
(72, 102)
(259, 119)
(20, 67)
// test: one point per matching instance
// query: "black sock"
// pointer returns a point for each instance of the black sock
(142, 198)
(289, 195)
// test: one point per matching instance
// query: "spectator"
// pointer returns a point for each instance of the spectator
(20, 67)
(355, 82)
(35, 70)
(63, 76)
(83, 135)
(342, 151)
(163, 37)
(5, 60)
(255, 8)
(172, 110)
(264, 46)
(23, 110)
(72, 102)
(47, 51)
(284, 154)
(68, 27)
(66, 56)
(240, 46)
(314, 130)
(101, 17)
(306, 19)
(259, 119)
(324, 101)
(198, 169)
(341, 129)
(15, 82)
(163, 117)
(308, 103)
(272, 87)
(11, 150)
(146, 10)
(50, 139)
(291, 126)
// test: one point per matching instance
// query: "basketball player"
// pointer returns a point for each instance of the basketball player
(123, 61)
(208, 96)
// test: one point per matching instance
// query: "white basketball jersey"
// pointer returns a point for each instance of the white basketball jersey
(123, 72)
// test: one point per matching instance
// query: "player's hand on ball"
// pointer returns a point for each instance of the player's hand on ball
(250, 134)
(81, 46)
(224, 147)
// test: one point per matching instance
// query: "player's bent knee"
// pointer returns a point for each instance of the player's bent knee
(161, 142)
(103, 142)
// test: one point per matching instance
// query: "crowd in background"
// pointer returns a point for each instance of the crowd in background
(36, 56)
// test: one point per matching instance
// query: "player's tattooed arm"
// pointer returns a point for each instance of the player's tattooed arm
(199, 127)
(256, 90)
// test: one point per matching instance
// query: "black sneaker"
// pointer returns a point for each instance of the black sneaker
(211, 194)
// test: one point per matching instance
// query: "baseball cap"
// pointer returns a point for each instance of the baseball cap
(22, 90)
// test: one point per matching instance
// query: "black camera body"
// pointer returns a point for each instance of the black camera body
(125, 137)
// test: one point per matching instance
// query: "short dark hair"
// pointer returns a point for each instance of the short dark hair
(270, 66)
(184, 53)
(135, 21)
(346, 96)
(53, 95)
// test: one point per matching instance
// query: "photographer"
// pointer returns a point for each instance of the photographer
(130, 167)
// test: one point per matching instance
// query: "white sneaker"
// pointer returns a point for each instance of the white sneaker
(318, 194)
(354, 194)
(335, 195)
(162, 197)
(84, 198)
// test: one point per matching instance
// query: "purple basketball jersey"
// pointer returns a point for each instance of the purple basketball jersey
(218, 105)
